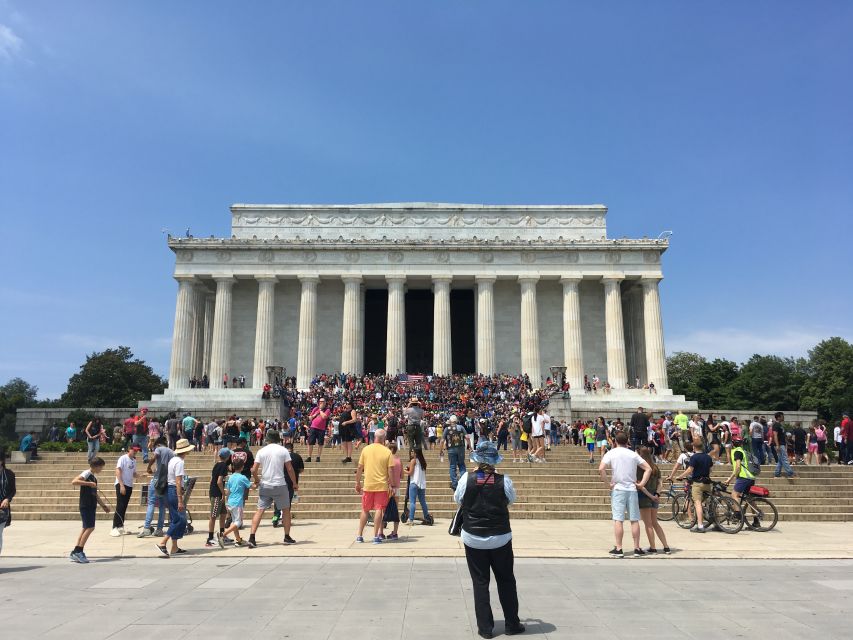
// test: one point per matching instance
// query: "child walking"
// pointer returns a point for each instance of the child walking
(89, 501)
(235, 489)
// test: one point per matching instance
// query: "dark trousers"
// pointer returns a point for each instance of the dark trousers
(121, 506)
(758, 449)
(499, 561)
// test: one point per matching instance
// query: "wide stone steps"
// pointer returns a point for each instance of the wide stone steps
(567, 487)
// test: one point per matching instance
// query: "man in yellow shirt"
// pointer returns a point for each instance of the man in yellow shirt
(375, 462)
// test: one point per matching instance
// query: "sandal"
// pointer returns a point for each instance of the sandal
(179, 551)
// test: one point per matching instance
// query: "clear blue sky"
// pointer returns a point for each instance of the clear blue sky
(730, 123)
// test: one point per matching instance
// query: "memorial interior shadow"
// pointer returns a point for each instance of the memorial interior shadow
(462, 330)
(419, 324)
(375, 327)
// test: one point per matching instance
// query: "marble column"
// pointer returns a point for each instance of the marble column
(395, 353)
(442, 353)
(197, 351)
(209, 310)
(617, 374)
(352, 340)
(306, 358)
(264, 329)
(572, 334)
(182, 336)
(220, 346)
(486, 325)
(530, 360)
(653, 330)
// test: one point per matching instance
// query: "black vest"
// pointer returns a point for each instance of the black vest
(485, 508)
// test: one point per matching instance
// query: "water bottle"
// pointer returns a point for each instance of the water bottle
(295, 498)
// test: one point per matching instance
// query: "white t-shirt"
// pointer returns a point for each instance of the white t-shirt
(684, 460)
(538, 426)
(837, 433)
(547, 421)
(127, 467)
(623, 465)
(272, 459)
(418, 476)
(176, 468)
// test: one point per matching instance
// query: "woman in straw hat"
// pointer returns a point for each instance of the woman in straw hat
(485, 496)
(175, 500)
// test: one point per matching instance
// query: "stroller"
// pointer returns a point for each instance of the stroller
(188, 491)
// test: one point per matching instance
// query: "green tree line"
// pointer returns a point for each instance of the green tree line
(822, 382)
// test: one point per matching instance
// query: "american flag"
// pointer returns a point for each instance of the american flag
(411, 379)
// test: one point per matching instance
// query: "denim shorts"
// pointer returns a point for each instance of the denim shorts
(623, 501)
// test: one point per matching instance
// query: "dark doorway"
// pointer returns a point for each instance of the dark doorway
(462, 330)
(419, 322)
(375, 327)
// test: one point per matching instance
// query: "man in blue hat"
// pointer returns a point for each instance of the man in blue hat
(484, 496)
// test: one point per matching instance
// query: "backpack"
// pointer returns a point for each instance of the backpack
(527, 423)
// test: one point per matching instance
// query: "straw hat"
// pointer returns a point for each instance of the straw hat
(183, 446)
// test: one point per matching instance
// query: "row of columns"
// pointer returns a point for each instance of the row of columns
(202, 333)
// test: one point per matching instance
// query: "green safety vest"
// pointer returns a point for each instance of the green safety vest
(744, 464)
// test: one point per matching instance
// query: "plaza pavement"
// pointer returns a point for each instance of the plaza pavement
(532, 539)
(390, 598)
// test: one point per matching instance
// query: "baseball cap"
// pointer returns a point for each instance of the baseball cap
(224, 452)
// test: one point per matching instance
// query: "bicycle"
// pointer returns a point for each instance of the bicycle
(666, 499)
(719, 510)
(759, 514)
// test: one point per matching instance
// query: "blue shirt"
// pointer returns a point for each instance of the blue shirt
(237, 484)
(484, 542)
(26, 442)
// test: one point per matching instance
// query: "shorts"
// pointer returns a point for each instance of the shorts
(88, 517)
(821, 446)
(236, 514)
(371, 500)
(524, 445)
(215, 507)
(347, 433)
(316, 436)
(645, 501)
(392, 513)
(622, 501)
(699, 489)
(742, 485)
(432, 439)
(601, 443)
(278, 496)
(590, 446)
(516, 443)
(812, 447)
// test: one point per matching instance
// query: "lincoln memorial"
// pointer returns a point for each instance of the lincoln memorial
(417, 288)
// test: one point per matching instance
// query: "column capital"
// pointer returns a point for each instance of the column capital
(309, 278)
(528, 278)
(186, 278)
(266, 277)
(395, 278)
(354, 278)
(442, 279)
(612, 278)
(229, 279)
(569, 280)
(649, 281)
(485, 279)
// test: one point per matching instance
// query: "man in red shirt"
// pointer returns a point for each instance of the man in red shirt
(847, 437)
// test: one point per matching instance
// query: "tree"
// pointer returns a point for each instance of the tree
(712, 380)
(14, 395)
(112, 378)
(829, 387)
(767, 382)
(22, 388)
(682, 369)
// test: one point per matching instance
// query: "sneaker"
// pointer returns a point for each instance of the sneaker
(74, 556)
(667, 550)
(697, 530)
(240, 543)
(180, 551)
(289, 540)
(359, 539)
(158, 533)
(651, 550)
(318, 459)
(146, 532)
(275, 522)
(377, 540)
(83, 558)
(429, 521)
(307, 459)
(252, 544)
(162, 550)
(514, 631)
(616, 553)
(116, 532)
(121, 531)
(220, 540)
(393, 536)
(382, 535)
(227, 540)
(209, 543)
(639, 553)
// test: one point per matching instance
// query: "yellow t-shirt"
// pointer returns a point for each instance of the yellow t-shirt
(377, 461)
(523, 436)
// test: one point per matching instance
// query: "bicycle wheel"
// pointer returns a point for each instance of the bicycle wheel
(665, 512)
(760, 514)
(726, 514)
(682, 512)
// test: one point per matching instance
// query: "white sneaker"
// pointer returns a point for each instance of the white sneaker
(116, 532)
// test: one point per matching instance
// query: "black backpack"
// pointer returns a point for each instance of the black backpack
(527, 423)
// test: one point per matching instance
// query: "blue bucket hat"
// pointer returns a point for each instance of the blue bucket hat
(224, 452)
(486, 453)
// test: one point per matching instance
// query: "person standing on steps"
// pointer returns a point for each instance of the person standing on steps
(346, 430)
(485, 496)
(375, 462)
(319, 418)
(124, 476)
(623, 485)
(93, 438)
(268, 473)
(416, 472)
(454, 443)
(781, 442)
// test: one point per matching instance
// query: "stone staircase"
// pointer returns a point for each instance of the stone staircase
(566, 487)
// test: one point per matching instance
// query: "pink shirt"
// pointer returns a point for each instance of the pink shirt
(396, 472)
(319, 419)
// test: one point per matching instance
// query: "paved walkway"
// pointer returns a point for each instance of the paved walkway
(532, 539)
(419, 599)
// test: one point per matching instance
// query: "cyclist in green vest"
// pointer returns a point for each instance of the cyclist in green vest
(740, 470)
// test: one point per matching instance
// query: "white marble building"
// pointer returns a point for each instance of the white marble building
(417, 288)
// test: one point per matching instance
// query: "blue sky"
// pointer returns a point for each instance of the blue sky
(729, 123)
